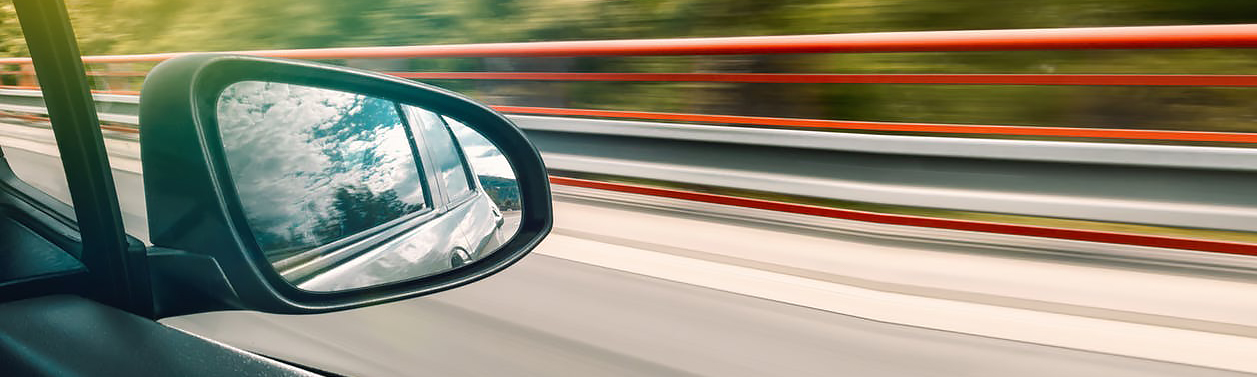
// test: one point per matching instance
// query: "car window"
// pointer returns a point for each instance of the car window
(313, 165)
(26, 137)
(447, 156)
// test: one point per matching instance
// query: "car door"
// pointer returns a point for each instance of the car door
(478, 218)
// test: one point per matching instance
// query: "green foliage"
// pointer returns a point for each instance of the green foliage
(504, 192)
(145, 26)
(11, 42)
(356, 209)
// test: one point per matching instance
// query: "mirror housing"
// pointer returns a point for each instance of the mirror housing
(205, 258)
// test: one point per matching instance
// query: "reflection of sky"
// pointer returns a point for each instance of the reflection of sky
(290, 148)
(484, 157)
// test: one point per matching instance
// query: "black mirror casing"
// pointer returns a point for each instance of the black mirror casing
(205, 257)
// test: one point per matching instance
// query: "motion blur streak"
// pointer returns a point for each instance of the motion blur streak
(820, 78)
(572, 319)
(977, 226)
(765, 49)
(1145, 37)
(555, 317)
(904, 127)
(685, 283)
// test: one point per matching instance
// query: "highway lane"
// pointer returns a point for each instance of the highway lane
(549, 316)
(552, 317)
(33, 159)
(1007, 274)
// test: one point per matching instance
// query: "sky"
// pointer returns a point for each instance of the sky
(291, 148)
(484, 157)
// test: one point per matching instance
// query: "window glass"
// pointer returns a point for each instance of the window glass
(484, 158)
(26, 137)
(313, 165)
(445, 152)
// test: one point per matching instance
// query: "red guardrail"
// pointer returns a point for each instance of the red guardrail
(928, 222)
(888, 78)
(1138, 37)
(1144, 37)
(1230, 137)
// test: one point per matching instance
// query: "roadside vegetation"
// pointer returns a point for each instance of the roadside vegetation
(145, 26)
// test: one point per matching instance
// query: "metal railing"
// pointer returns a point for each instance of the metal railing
(1180, 186)
(1127, 38)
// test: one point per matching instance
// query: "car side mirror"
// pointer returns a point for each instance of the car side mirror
(296, 187)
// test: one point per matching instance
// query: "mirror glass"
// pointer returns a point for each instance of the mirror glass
(344, 191)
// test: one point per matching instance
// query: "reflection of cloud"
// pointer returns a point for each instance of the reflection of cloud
(475, 151)
(291, 148)
(484, 157)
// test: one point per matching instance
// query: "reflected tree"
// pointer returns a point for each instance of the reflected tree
(356, 209)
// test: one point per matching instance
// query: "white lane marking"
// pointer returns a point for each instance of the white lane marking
(123, 154)
(1083, 333)
(46, 149)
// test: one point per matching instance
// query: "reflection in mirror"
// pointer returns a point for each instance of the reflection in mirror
(344, 191)
(493, 172)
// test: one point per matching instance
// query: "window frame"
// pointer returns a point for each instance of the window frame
(473, 181)
(450, 200)
(117, 265)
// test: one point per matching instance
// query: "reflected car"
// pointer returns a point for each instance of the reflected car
(345, 191)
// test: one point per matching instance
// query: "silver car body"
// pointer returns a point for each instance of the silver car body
(457, 230)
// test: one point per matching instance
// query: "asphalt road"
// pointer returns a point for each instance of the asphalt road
(548, 316)
(552, 317)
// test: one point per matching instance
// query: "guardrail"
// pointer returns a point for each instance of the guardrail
(1180, 186)
(1183, 186)
(1146, 37)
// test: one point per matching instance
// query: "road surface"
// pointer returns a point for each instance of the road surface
(581, 314)
(552, 317)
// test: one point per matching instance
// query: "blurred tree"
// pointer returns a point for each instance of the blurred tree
(12, 43)
(356, 209)
(143, 26)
